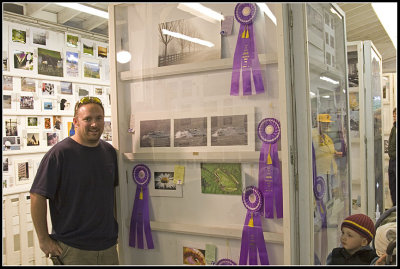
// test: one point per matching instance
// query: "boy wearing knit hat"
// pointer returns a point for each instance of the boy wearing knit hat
(357, 232)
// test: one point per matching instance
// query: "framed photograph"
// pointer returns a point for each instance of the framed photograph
(50, 63)
(199, 131)
(48, 122)
(174, 50)
(11, 143)
(10, 126)
(88, 47)
(102, 52)
(91, 70)
(32, 122)
(6, 165)
(28, 85)
(23, 60)
(27, 102)
(163, 183)
(68, 127)
(66, 103)
(72, 64)
(155, 133)
(18, 36)
(191, 252)
(221, 178)
(72, 40)
(352, 60)
(57, 123)
(7, 102)
(23, 172)
(66, 87)
(39, 37)
(48, 105)
(107, 133)
(385, 89)
(83, 90)
(190, 132)
(5, 61)
(98, 90)
(33, 139)
(8, 83)
(48, 89)
(52, 138)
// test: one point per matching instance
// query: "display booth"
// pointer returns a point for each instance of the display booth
(366, 127)
(221, 124)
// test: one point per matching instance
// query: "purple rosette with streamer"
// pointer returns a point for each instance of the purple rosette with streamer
(140, 221)
(225, 262)
(269, 171)
(319, 190)
(252, 235)
(245, 59)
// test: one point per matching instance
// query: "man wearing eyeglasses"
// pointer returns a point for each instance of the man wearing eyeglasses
(78, 176)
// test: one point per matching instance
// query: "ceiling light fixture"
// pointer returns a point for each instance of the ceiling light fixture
(329, 80)
(188, 38)
(387, 14)
(201, 11)
(86, 9)
(264, 8)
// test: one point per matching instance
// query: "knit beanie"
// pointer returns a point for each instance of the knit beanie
(362, 224)
(384, 235)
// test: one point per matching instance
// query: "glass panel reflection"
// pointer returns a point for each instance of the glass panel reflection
(328, 93)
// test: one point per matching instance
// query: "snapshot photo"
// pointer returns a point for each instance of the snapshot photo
(7, 83)
(155, 133)
(72, 66)
(91, 70)
(190, 132)
(28, 85)
(72, 40)
(39, 37)
(50, 63)
(26, 102)
(32, 139)
(18, 36)
(23, 60)
(229, 130)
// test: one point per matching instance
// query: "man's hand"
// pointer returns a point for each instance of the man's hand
(381, 260)
(50, 247)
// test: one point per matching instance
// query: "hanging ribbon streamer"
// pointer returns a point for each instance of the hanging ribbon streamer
(269, 171)
(252, 235)
(140, 214)
(245, 58)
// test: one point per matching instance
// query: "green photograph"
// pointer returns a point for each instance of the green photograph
(221, 178)
(50, 63)
(19, 36)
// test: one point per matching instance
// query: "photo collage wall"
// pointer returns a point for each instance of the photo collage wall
(44, 74)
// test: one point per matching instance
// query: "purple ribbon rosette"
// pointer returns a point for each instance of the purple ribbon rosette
(140, 213)
(269, 171)
(225, 262)
(252, 235)
(319, 190)
(245, 59)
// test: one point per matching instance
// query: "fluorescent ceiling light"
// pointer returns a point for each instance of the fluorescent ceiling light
(387, 14)
(188, 38)
(329, 80)
(201, 11)
(267, 12)
(86, 9)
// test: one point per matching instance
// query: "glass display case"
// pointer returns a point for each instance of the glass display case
(176, 114)
(321, 94)
(366, 127)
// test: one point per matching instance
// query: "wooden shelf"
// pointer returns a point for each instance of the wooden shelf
(217, 157)
(220, 64)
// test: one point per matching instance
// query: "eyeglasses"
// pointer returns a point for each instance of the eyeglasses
(88, 100)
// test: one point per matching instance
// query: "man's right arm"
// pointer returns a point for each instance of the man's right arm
(39, 218)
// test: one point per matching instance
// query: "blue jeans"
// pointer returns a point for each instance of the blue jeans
(392, 180)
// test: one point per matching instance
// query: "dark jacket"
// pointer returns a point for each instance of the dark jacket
(339, 256)
(392, 143)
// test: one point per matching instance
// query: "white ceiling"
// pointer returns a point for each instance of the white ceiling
(361, 24)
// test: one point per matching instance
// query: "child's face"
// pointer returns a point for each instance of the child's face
(352, 241)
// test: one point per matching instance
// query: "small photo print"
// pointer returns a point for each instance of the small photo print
(72, 40)
(11, 143)
(50, 63)
(48, 89)
(164, 181)
(47, 105)
(190, 132)
(7, 83)
(39, 37)
(32, 122)
(71, 128)
(91, 70)
(28, 85)
(229, 130)
(57, 122)
(72, 60)
(107, 133)
(101, 52)
(7, 101)
(88, 48)
(155, 133)
(47, 123)
(98, 91)
(23, 60)
(32, 139)
(22, 172)
(83, 91)
(19, 36)
(66, 87)
(221, 178)
(52, 139)
(11, 126)
(194, 256)
(26, 102)
(66, 104)
(5, 164)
